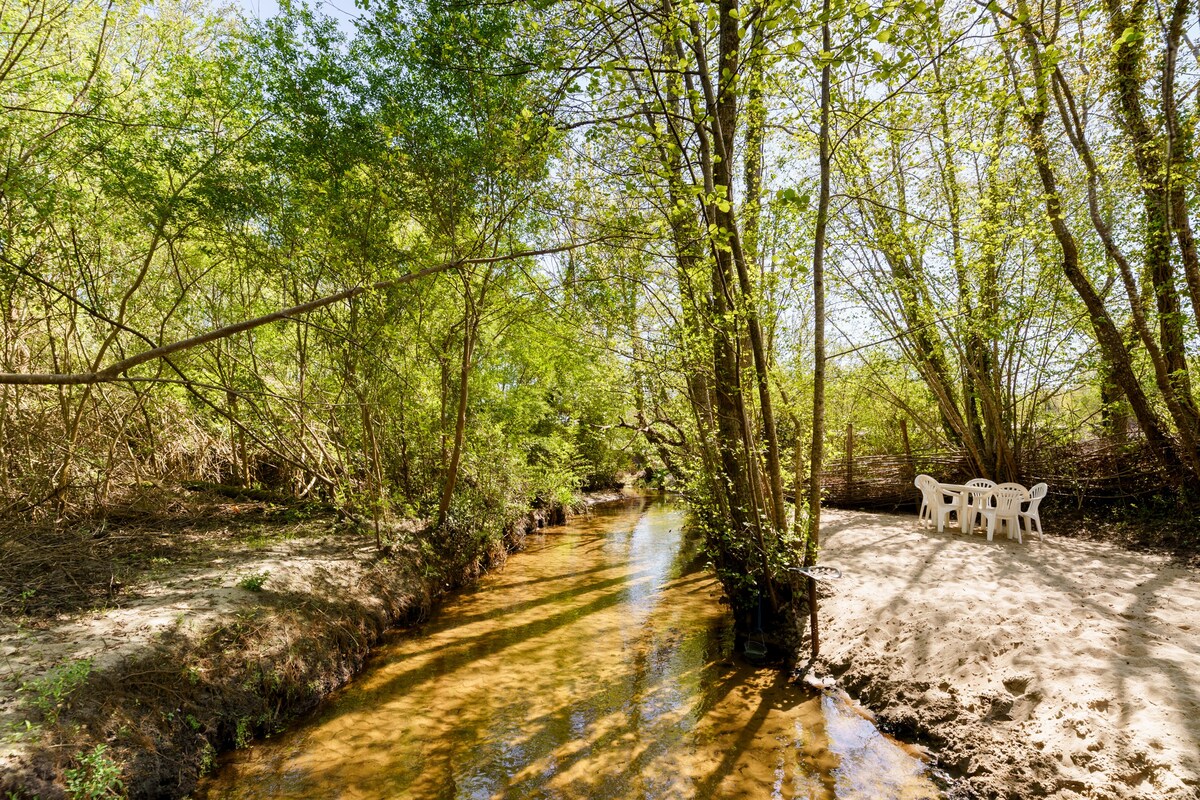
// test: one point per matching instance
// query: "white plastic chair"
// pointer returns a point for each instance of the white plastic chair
(925, 515)
(1008, 498)
(934, 507)
(1031, 514)
(977, 501)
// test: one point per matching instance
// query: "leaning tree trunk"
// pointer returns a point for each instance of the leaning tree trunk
(1112, 344)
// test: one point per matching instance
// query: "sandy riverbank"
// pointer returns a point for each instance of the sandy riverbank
(1061, 668)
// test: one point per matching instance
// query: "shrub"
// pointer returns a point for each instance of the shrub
(254, 581)
(51, 693)
(96, 777)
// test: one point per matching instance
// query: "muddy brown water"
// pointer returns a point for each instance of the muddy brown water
(598, 664)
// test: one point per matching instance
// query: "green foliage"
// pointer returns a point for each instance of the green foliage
(170, 171)
(23, 600)
(208, 758)
(51, 693)
(97, 776)
(243, 734)
(1130, 35)
(255, 581)
(212, 172)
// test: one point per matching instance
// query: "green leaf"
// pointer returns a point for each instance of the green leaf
(793, 198)
(1128, 36)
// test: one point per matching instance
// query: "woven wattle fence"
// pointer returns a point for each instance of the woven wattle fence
(1096, 470)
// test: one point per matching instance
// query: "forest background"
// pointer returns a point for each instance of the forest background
(457, 258)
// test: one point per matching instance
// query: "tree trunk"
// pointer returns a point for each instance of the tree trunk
(817, 456)
(1112, 344)
(460, 424)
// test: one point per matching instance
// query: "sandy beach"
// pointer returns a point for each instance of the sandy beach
(1059, 668)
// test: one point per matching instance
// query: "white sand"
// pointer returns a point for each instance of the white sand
(1061, 668)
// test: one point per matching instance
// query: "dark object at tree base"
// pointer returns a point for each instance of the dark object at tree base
(756, 652)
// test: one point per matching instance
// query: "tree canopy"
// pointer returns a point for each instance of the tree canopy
(469, 256)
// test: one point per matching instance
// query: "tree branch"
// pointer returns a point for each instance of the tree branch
(115, 371)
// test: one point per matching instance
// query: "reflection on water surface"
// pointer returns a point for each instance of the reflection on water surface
(596, 665)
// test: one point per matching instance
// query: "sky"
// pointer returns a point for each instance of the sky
(344, 11)
(259, 8)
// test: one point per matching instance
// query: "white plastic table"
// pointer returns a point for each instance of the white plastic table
(962, 492)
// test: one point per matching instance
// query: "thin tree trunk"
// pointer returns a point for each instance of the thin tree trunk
(1154, 174)
(817, 456)
(460, 423)
(1184, 414)
(1179, 155)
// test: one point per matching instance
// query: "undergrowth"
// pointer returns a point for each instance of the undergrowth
(96, 777)
(51, 693)
(1156, 524)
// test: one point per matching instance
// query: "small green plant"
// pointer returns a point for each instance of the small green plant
(208, 757)
(23, 601)
(254, 581)
(243, 734)
(96, 777)
(52, 692)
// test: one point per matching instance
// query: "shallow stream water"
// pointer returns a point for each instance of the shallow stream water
(597, 665)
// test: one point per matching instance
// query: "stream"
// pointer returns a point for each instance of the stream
(599, 663)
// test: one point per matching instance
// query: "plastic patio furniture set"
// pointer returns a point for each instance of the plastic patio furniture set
(981, 502)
